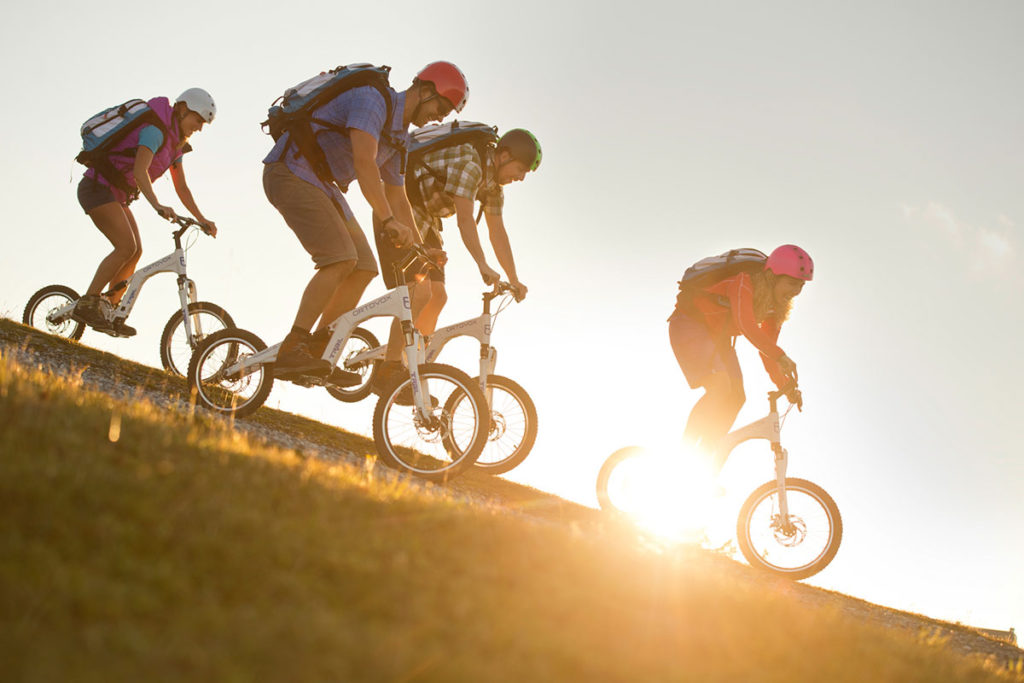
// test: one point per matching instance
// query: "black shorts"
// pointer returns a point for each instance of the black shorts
(93, 193)
(390, 256)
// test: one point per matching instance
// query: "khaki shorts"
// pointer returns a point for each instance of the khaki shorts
(319, 224)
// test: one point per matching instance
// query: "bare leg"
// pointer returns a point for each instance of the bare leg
(426, 321)
(346, 296)
(318, 293)
(119, 227)
(715, 412)
(128, 269)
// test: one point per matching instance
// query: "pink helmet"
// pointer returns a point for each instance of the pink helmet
(791, 260)
(449, 82)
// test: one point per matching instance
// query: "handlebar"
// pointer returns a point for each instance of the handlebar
(786, 391)
(500, 287)
(187, 223)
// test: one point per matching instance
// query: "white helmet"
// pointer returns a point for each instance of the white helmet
(199, 101)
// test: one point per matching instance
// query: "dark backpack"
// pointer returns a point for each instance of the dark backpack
(713, 269)
(104, 131)
(434, 137)
(294, 112)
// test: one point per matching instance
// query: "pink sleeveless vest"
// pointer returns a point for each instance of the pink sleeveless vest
(162, 160)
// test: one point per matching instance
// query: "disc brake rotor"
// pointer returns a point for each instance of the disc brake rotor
(791, 534)
(433, 430)
(497, 426)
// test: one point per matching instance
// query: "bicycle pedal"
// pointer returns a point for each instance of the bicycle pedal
(302, 380)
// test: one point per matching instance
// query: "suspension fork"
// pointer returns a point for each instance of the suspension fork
(414, 355)
(187, 295)
(781, 461)
(488, 361)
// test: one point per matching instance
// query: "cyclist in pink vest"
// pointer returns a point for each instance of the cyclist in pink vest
(703, 328)
(144, 155)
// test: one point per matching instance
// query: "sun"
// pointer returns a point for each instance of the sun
(669, 492)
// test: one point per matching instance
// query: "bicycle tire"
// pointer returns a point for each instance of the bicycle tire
(746, 522)
(67, 329)
(216, 396)
(404, 443)
(178, 318)
(515, 418)
(604, 476)
(363, 340)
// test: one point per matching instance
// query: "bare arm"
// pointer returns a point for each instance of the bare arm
(471, 238)
(401, 209)
(503, 251)
(185, 195)
(143, 159)
(364, 159)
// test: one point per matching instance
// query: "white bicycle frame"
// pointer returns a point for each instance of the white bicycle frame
(394, 304)
(478, 328)
(172, 263)
(769, 428)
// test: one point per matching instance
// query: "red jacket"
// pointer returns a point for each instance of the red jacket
(729, 312)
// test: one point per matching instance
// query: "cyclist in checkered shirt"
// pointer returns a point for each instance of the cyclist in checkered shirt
(450, 181)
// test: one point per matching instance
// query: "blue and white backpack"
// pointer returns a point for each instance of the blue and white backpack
(103, 132)
(437, 136)
(294, 112)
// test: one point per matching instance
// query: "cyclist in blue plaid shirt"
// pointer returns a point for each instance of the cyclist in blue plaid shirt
(357, 144)
(450, 181)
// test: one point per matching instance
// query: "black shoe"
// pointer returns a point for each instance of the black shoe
(343, 378)
(89, 311)
(122, 330)
(318, 342)
(295, 360)
(385, 374)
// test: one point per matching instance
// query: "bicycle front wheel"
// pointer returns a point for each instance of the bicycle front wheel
(413, 443)
(175, 346)
(798, 546)
(513, 426)
(359, 341)
(41, 312)
(229, 393)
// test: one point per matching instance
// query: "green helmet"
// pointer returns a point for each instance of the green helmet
(523, 146)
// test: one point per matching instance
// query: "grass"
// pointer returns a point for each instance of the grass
(141, 542)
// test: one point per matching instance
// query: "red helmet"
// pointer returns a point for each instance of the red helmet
(791, 260)
(448, 81)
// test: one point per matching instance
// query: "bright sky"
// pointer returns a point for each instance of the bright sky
(884, 139)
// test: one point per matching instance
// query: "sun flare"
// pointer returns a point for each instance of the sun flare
(671, 493)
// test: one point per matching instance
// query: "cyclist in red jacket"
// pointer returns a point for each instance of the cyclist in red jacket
(703, 328)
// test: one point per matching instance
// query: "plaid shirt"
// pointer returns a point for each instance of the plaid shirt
(463, 175)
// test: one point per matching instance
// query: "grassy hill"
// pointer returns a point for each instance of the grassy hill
(141, 539)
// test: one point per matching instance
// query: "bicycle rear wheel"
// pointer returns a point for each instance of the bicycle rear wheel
(175, 347)
(611, 482)
(237, 395)
(513, 426)
(40, 309)
(408, 442)
(359, 341)
(799, 546)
